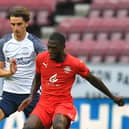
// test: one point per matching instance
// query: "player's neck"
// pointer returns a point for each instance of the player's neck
(20, 37)
(61, 59)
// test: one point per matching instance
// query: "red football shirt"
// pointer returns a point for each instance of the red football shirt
(57, 78)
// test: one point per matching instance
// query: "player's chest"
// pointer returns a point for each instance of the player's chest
(18, 50)
(58, 70)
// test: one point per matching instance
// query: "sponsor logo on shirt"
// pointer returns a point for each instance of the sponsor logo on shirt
(52, 80)
(21, 61)
(45, 65)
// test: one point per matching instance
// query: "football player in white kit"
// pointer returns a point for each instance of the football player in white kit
(17, 62)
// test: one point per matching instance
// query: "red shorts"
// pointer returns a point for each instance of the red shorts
(46, 113)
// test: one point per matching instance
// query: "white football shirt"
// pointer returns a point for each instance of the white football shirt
(24, 52)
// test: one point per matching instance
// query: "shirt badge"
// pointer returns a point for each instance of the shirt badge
(67, 69)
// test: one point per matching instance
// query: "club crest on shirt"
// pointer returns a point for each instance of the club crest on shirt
(67, 69)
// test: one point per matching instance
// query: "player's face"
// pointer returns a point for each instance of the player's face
(55, 50)
(18, 26)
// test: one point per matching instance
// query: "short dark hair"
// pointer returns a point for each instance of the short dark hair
(57, 36)
(19, 11)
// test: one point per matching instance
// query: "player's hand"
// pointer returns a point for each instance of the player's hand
(24, 103)
(119, 100)
(13, 66)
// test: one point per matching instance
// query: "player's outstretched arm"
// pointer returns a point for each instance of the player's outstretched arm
(97, 83)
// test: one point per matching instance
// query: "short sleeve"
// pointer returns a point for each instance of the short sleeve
(39, 46)
(2, 58)
(1, 52)
(83, 70)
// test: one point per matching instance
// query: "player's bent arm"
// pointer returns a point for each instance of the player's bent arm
(3, 72)
(36, 84)
(97, 83)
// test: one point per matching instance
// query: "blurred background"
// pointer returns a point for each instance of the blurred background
(97, 32)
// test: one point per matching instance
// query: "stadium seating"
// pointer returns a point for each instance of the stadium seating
(2, 14)
(119, 7)
(63, 1)
(126, 36)
(79, 48)
(95, 24)
(72, 47)
(116, 36)
(114, 4)
(101, 35)
(74, 36)
(32, 4)
(110, 59)
(72, 25)
(122, 13)
(124, 59)
(94, 13)
(108, 13)
(42, 17)
(4, 27)
(108, 50)
(104, 4)
(88, 36)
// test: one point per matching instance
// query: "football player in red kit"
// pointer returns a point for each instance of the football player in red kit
(55, 71)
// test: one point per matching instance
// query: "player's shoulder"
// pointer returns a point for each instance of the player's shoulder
(5, 39)
(33, 38)
(73, 59)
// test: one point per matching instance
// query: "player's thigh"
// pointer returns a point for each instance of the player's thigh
(7, 105)
(43, 114)
(33, 122)
(61, 121)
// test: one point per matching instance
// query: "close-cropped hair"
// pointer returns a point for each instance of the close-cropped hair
(19, 11)
(57, 36)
